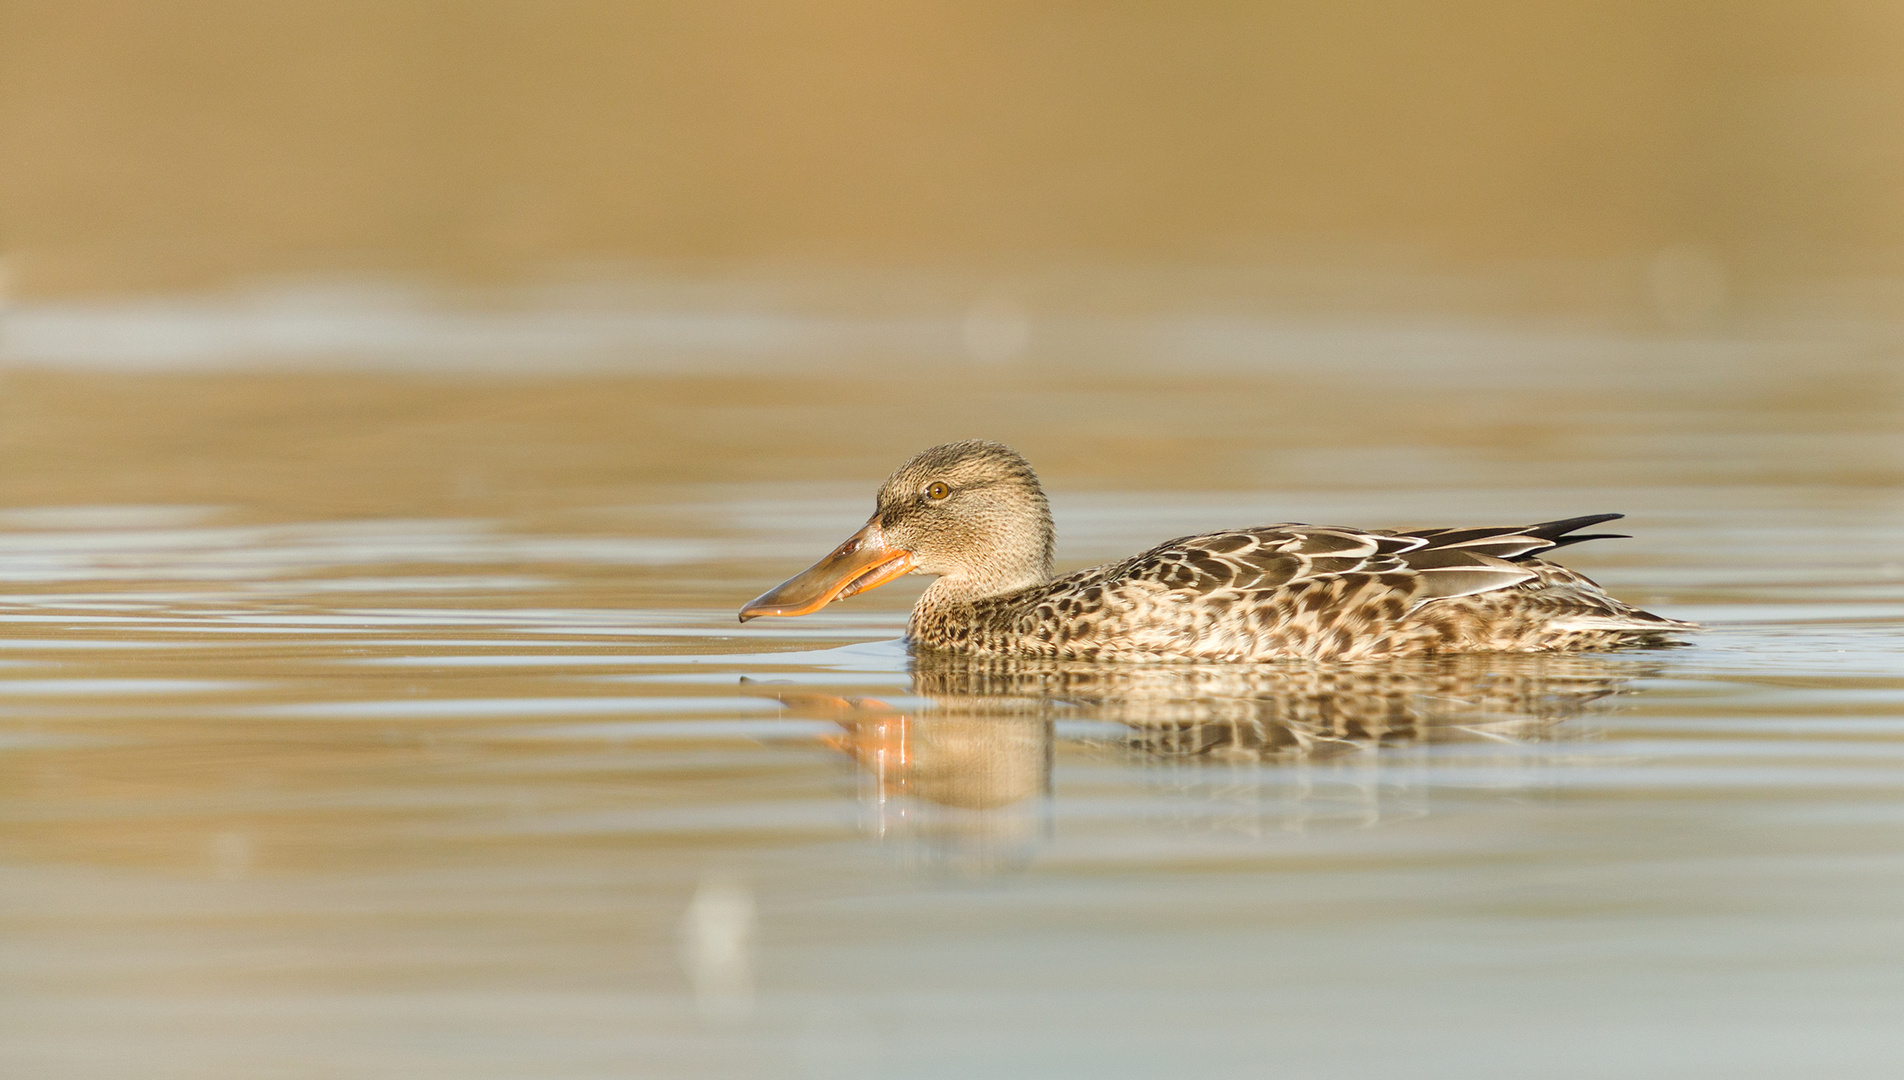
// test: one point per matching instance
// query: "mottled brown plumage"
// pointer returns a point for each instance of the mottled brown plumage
(973, 515)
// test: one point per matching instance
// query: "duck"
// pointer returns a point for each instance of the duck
(973, 516)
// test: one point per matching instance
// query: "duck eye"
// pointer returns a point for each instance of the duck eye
(937, 490)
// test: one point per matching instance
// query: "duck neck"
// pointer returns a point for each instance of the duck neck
(953, 612)
(955, 589)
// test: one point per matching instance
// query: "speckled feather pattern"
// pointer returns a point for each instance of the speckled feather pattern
(1301, 592)
(972, 515)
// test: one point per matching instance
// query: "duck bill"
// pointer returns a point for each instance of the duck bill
(863, 562)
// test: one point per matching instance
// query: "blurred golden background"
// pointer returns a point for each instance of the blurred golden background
(399, 398)
(1674, 158)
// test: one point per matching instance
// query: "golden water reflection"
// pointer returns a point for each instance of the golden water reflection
(958, 767)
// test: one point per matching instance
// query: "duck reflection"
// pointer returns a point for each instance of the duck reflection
(962, 782)
(980, 736)
(1298, 711)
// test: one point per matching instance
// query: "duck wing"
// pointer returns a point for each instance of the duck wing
(1323, 592)
(1428, 564)
(1516, 542)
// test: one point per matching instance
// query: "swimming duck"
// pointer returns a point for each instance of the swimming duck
(973, 515)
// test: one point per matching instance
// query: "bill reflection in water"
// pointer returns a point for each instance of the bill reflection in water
(964, 768)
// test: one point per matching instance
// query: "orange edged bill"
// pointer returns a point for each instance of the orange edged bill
(863, 562)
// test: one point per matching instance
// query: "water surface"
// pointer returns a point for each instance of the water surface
(379, 726)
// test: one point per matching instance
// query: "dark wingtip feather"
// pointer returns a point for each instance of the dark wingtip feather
(1565, 540)
(1554, 530)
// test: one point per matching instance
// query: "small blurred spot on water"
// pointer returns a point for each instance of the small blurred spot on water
(717, 941)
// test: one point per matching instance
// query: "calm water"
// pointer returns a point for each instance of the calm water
(376, 726)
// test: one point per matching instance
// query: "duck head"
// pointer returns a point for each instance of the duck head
(969, 513)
